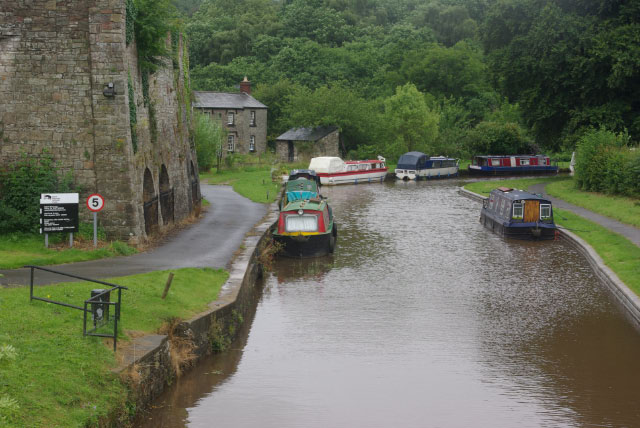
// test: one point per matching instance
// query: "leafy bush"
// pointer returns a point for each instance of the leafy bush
(20, 189)
(605, 163)
(209, 137)
(496, 138)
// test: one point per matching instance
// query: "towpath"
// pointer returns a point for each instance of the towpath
(211, 242)
(629, 232)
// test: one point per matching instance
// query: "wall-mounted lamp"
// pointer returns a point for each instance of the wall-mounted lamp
(109, 90)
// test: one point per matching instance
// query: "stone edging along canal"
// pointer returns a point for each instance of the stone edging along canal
(626, 298)
(152, 362)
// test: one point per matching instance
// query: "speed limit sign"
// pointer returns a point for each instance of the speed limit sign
(95, 202)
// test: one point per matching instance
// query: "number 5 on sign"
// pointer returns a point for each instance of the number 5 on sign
(95, 203)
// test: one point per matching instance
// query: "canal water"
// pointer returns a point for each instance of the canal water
(422, 318)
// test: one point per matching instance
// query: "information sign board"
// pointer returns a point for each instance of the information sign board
(58, 212)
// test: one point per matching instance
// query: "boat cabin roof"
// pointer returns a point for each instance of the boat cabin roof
(517, 195)
(327, 164)
(411, 159)
(308, 174)
(508, 156)
(314, 204)
(301, 185)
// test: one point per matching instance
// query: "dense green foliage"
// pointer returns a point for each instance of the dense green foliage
(20, 188)
(605, 163)
(209, 137)
(496, 76)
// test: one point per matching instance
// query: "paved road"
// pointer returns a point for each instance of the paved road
(210, 242)
(629, 232)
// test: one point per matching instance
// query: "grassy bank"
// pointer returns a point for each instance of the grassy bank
(252, 183)
(623, 209)
(17, 250)
(617, 252)
(485, 187)
(50, 375)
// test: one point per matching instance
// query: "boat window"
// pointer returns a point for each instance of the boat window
(301, 223)
(545, 211)
(495, 162)
(524, 161)
(436, 164)
(518, 210)
(352, 168)
(505, 209)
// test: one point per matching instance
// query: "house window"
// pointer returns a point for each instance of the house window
(545, 211)
(252, 143)
(252, 121)
(518, 210)
(230, 143)
(230, 118)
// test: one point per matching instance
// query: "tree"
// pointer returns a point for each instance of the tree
(409, 124)
(209, 137)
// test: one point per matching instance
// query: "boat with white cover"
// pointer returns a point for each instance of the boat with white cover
(333, 170)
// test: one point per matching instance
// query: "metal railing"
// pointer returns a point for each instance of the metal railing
(96, 301)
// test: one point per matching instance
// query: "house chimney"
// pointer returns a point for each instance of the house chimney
(245, 86)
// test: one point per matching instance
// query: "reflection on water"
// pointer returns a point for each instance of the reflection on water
(424, 318)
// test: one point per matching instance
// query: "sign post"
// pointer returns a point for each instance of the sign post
(95, 203)
(58, 213)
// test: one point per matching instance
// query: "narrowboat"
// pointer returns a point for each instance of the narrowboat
(309, 174)
(512, 164)
(417, 165)
(333, 170)
(518, 214)
(306, 228)
(299, 189)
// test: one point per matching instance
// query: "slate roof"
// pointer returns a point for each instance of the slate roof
(239, 100)
(307, 134)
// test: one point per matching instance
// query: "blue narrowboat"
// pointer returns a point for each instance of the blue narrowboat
(512, 164)
(417, 165)
(518, 214)
(299, 189)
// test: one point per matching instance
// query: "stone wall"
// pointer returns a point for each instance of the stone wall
(56, 57)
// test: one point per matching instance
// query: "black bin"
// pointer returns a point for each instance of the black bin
(100, 311)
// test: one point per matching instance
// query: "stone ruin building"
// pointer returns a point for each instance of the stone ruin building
(67, 79)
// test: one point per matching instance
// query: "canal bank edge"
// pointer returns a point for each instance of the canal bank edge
(152, 362)
(624, 296)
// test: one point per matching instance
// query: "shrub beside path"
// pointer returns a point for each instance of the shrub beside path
(630, 232)
(211, 242)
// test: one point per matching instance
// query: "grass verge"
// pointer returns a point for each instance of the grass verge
(485, 187)
(17, 250)
(617, 252)
(58, 378)
(252, 183)
(623, 209)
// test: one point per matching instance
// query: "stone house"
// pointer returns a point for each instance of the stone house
(299, 144)
(243, 117)
(70, 86)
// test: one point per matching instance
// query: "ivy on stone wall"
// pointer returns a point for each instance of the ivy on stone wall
(132, 11)
(153, 125)
(133, 117)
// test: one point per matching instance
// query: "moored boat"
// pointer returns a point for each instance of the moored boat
(306, 228)
(417, 165)
(512, 164)
(299, 189)
(518, 214)
(333, 170)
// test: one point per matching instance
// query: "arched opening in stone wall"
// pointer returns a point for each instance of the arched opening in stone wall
(195, 193)
(166, 196)
(150, 203)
